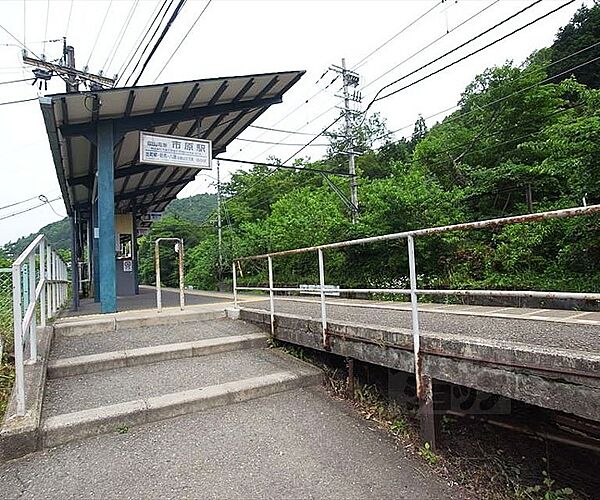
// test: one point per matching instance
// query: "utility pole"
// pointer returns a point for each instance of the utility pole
(219, 226)
(350, 79)
(45, 70)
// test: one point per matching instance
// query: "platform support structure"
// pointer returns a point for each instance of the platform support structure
(106, 218)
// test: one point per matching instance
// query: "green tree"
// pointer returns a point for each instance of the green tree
(582, 32)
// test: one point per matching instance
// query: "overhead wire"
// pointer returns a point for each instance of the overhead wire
(69, 19)
(18, 101)
(30, 208)
(281, 130)
(412, 23)
(160, 39)
(21, 44)
(359, 64)
(17, 81)
(98, 34)
(166, 5)
(433, 42)
(154, 27)
(183, 40)
(14, 204)
(46, 29)
(453, 63)
(512, 94)
(136, 45)
(274, 143)
(113, 51)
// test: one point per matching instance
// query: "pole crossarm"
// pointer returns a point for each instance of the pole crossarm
(152, 120)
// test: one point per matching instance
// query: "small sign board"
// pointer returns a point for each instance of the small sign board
(176, 151)
(127, 266)
(330, 290)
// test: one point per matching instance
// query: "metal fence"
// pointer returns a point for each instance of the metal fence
(39, 290)
(423, 388)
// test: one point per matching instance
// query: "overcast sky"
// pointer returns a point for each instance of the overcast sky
(237, 37)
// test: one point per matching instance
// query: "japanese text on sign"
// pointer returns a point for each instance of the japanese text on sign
(173, 150)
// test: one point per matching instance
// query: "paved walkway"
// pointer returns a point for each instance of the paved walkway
(147, 300)
(202, 409)
(297, 444)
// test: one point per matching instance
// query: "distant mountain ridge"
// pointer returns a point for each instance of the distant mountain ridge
(195, 209)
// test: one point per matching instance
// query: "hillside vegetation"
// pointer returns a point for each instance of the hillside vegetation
(524, 138)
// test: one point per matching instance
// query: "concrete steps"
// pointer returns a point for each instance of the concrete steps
(91, 390)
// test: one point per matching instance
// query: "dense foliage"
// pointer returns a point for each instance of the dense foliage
(524, 138)
(519, 141)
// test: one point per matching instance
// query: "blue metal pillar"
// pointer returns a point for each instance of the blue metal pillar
(95, 260)
(106, 218)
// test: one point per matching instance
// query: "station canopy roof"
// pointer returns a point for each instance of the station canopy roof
(217, 109)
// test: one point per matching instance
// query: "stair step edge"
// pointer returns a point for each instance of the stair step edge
(60, 429)
(91, 363)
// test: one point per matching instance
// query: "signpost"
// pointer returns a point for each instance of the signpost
(172, 150)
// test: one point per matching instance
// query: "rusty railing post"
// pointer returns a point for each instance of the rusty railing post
(423, 382)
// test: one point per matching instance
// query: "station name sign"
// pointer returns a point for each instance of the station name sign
(176, 151)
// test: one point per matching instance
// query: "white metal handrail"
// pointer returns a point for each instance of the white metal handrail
(413, 291)
(39, 278)
(179, 250)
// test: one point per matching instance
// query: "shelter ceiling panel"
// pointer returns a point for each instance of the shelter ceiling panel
(74, 155)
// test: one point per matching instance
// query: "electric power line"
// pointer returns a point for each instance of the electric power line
(422, 49)
(183, 40)
(281, 130)
(30, 208)
(275, 143)
(21, 44)
(379, 98)
(17, 81)
(19, 101)
(512, 94)
(161, 38)
(69, 19)
(98, 34)
(18, 202)
(137, 44)
(113, 51)
(412, 23)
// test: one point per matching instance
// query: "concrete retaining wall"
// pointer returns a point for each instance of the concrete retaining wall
(551, 378)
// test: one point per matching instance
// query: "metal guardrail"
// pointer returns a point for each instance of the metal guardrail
(423, 386)
(39, 285)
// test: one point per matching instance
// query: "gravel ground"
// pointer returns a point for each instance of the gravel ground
(297, 444)
(66, 346)
(65, 395)
(584, 338)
